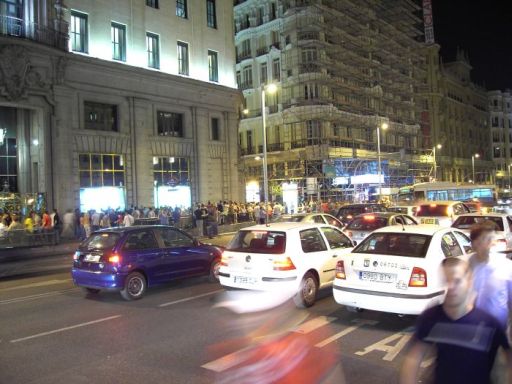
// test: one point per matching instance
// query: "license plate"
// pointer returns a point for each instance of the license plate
(377, 277)
(245, 280)
(428, 221)
(92, 258)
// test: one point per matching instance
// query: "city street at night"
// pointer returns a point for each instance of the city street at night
(54, 333)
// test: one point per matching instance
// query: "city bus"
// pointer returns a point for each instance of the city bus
(484, 193)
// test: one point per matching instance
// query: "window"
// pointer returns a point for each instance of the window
(464, 241)
(102, 240)
(249, 139)
(309, 55)
(238, 79)
(8, 166)
(215, 129)
(450, 246)
(153, 49)
(170, 124)
(213, 66)
(100, 170)
(211, 17)
(100, 117)
(336, 239)
(118, 34)
(182, 58)
(312, 130)
(140, 240)
(152, 3)
(269, 242)
(312, 241)
(181, 8)
(171, 171)
(247, 79)
(395, 244)
(263, 71)
(310, 91)
(172, 238)
(276, 70)
(78, 32)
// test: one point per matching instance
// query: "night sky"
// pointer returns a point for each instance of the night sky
(484, 29)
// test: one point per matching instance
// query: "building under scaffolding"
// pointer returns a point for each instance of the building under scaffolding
(342, 69)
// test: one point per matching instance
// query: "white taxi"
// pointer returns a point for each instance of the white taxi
(298, 257)
(397, 269)
(440, 212)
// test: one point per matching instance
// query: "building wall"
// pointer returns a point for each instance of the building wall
(500, 121)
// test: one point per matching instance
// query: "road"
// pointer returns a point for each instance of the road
(54, 333)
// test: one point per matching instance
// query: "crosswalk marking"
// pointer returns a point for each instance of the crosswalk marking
(346, 331)
(227, 361)
(311, 325)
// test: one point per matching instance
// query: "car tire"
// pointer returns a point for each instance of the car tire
(354, 309)
(214, 271)
(134, 286)
(306, 296)
(93, 291)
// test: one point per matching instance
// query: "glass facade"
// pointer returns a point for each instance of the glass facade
(171, 170)
(101, 170)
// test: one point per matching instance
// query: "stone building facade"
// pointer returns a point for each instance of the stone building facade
(119, 103)
(500, 121)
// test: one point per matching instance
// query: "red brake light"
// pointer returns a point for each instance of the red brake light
(433, 205)
(369, 217)
(349, 217)
(114, 259)
(283, 264)
(223, 261)
(418, 278)
(340, 270)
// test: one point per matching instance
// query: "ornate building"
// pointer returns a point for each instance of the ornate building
(500, 107)
(132, 103)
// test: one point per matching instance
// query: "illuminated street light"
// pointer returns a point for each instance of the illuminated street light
(383, 126)
(245, 111)
(271, 88)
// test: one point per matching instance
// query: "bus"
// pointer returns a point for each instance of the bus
(484, 193)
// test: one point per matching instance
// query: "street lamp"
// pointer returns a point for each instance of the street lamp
(383, 126)
(271, 89)
(438, 146)
(476, 155)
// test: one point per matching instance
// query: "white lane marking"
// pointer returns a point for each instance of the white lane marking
(427, 363)
(346, 331)
(227, 361)
(65, 329)
(190, 298)
(33, 285)
(392, 351)
(35, 297)
(311, 325)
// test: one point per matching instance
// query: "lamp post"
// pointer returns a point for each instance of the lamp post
(270, 88)
(383, 126)
(438, 146)
(476, 155)
(509, 184)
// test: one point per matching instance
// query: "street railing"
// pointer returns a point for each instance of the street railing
(22, 238)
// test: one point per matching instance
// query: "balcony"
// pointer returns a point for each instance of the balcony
(14, 27)
(251, 114)
(247, 151)
(242, 56)
(309, 68)
(262, 51)
(304, 143)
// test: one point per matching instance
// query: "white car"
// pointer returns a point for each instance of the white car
(503, 238)
(397, 269)
(442, 213)
(298, 257)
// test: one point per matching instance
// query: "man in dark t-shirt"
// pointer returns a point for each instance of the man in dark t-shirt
(466, 338)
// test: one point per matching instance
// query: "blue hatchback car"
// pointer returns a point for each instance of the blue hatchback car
(130, 259)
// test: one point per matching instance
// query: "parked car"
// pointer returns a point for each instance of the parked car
(442, 213)
(405, 209)
(362, 225)
(503, 240)
(319, 218)
(348, 212)
(298, 257)
(131, 259)
(397, 269)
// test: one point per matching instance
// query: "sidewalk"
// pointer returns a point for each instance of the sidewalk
(69, 246)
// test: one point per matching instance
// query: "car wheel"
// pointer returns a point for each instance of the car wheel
(134, 286)
(93, 291)
(214, 271)
(306, 296)
(354, 309)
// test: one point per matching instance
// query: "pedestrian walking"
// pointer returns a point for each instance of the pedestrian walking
(128, 220)
(213, 222)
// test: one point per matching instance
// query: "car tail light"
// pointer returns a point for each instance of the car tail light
(224, 260)
(340, 270)
(350, 217)
(283, 264)
(114, 259)
(369, 217)
(418, 278)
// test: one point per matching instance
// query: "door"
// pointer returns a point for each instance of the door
(338, 244)
(182, 258)
(142, 251)
(316, 254)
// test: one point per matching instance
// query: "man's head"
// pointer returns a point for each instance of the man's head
(458, 277)
(482, 236)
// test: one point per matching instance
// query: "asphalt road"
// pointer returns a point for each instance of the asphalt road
(51, 332)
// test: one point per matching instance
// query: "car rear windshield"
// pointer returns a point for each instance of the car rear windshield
(432, 210)
(367, 223)
(295, 219)
(465, 222)
(258, 242)
(395, 244)
(102, 240)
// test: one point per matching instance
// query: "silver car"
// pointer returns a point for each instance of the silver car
(362, 225)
